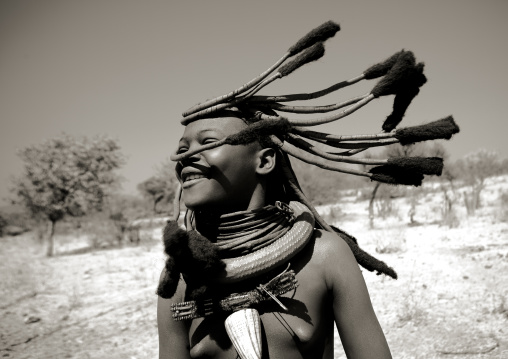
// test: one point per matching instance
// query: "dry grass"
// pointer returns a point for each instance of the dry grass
(415, 304)
(390, 240)
(450, 300)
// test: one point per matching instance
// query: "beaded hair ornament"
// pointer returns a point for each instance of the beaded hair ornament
(399, 75)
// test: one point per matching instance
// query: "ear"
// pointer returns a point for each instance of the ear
(266, 161)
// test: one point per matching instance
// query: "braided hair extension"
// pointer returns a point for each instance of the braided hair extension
(399, 75)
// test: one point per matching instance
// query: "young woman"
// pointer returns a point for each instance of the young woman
(258, 273)
(331, 288)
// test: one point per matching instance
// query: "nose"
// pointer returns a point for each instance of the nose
(191, 159)
(188, 161)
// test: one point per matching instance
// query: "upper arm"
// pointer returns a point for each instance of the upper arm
(359, 329)
(173, 335)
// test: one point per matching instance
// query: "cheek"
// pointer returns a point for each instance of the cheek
(233, 160)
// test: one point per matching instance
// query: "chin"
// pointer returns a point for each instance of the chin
(199, 195)
(211, 205)
(197, 202)
(209, 196)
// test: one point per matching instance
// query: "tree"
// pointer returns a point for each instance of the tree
(414, 150)
(153, 188)
(421, 149)
(160, 188)
(475, 168)
(67, 176)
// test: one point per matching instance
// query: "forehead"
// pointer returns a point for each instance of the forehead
(223, 126)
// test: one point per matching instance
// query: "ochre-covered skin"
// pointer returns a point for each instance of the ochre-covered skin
(331, 286)
(229, 172)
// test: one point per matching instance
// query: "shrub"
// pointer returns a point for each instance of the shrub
(474, 169)
(3, 224)
(449, 218)
(390, 241)
(504, 206)
(102, 232)
(385, 207)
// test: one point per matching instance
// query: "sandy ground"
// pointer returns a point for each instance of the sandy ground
(450, 301)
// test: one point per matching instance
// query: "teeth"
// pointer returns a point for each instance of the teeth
(194, 176)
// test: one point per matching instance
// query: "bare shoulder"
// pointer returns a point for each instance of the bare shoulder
(336, 258)
(330, 247)
(353, 313)
(173, 338)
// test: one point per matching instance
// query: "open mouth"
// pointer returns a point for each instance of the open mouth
(191, 178)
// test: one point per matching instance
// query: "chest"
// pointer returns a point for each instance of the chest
(304, 330)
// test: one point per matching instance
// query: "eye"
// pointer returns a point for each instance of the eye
(181, 150)
(209, 140)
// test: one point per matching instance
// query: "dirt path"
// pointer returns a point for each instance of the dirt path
(450, 301)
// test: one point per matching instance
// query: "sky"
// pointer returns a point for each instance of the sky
(129, 68)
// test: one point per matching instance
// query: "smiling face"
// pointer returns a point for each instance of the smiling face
(223, 179)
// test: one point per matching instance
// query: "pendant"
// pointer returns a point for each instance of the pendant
(244, 330)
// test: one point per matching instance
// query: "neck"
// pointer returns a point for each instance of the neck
(208, 220)
(209, 216)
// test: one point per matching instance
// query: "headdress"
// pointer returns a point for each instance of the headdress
(399, 75)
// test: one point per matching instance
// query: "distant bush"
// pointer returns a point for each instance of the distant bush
(102, 231)
(504, 199)
(449, 217)
(384, 201)
(129, 207)
(391, 241)
(3, 224)
(504, 206)
(121, 224)
(474, 169)
(21, 219)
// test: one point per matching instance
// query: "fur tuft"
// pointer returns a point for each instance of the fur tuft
(417, 78)
(174, 239)
(206, 261)
(259, 131)
(192, 255)
(313, 53)
(398, 77)
(396, 175)
(169, 280)
(381, 68)
(175, 242)
(408, 90)
(320, 33)
(440, 129)
(400, 104)
(204, 265)
(424, 165)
